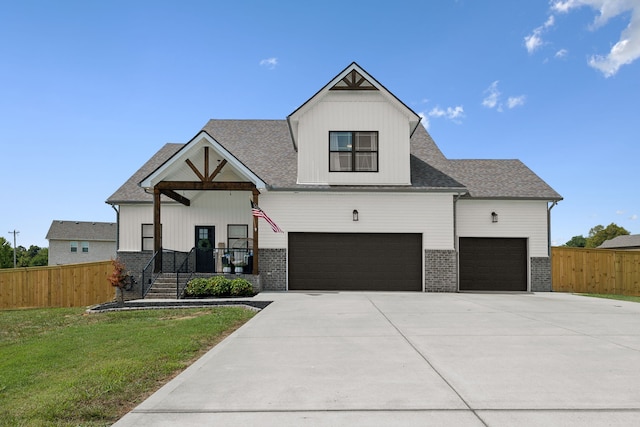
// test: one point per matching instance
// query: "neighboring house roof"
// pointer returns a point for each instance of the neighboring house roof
(265, 147)
(82, 230)
(626, 242)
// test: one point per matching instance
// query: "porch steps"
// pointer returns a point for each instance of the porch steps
(165, 285)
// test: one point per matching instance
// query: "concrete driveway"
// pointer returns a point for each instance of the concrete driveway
(380, 359)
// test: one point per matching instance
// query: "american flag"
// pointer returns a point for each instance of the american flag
(257, 212)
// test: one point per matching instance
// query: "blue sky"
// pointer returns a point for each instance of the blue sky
(90, 90)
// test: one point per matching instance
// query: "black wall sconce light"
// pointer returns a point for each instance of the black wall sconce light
(355, 214)
(494, 217)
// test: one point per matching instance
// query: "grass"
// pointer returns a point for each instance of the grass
(63, 367)
(618, 297)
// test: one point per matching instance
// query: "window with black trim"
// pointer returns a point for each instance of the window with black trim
(85, 247)
(353, 151)
(147, 236)
(74, 246)
(237, 236)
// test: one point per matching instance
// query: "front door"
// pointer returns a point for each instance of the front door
(205, 255)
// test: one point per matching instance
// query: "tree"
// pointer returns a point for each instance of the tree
(41, 258)
(577, 242)
(6, 254)
(33, 257)
(598, 234)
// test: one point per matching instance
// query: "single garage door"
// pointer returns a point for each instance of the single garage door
(493, 264)
(355, 262)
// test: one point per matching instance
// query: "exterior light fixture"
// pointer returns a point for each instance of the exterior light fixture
(494, 217)
(355, 214)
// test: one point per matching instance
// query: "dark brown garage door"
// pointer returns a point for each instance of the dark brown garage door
(493, 264)
(355, 262)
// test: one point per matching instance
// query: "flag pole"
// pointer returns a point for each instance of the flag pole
(255, 235)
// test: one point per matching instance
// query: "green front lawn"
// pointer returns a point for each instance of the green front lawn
(610, 296)
(63, 367)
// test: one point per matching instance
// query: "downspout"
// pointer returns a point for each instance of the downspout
(455, 237)
(555, 202)
(117, 228)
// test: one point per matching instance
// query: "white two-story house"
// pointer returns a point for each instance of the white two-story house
(364, 197)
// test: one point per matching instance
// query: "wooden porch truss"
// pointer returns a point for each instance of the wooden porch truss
(354, 81)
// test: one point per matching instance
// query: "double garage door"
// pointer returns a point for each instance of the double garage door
(355, 261)
(493, 264)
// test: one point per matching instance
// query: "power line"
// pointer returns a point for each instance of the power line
(14, 232)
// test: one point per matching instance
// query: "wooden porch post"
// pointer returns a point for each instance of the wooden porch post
(157, 231)
(255, 235)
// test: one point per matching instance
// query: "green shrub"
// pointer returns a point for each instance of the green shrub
(219, 286)
(241, 288)
(196, 288)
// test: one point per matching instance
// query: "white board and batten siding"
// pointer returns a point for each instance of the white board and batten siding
(208, 208)
(516, 219)
(313, 212)
(336, 112)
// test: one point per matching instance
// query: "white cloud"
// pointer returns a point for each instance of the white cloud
(270, 63)
(562, 53)
(450, 113)
(620, 212)
(626, 49)
(550, 21)
(633, 217)
(515, 101)
(563, 6)
(534, 40)
(491, 99)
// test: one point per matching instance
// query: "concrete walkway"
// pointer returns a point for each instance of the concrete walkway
(414, 359)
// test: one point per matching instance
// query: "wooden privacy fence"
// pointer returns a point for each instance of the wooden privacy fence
(74, 285)
(601, 271)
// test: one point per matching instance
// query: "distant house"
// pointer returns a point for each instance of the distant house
(629, 242)
(72, 242)
(365, 199)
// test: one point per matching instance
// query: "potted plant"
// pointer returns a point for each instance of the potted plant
(227, 263)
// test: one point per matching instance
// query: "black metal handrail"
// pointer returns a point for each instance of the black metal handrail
(168, 266)
(152, 278)
(185, 267)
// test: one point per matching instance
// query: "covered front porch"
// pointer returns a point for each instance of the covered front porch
(202, 216)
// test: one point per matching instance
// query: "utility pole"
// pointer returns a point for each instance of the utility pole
(14, 232)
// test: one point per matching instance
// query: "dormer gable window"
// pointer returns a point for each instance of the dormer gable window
(353, 151)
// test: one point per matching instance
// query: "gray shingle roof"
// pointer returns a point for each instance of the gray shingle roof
(130, 191)
(82, 230)
(500, 179)
(266, 148)
(628, 241)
